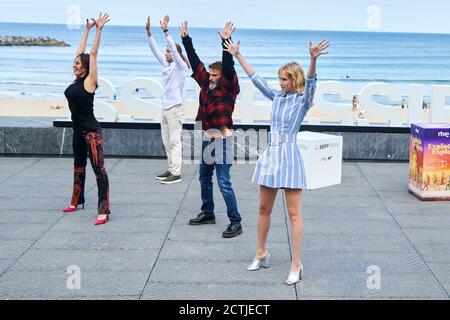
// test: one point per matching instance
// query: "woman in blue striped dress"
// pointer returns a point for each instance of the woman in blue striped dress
(280, 165)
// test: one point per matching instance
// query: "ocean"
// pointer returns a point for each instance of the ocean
(355, 58)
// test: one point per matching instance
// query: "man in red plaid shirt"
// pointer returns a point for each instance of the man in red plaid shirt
(219, 88)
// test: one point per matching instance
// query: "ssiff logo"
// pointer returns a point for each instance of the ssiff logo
(322, 146)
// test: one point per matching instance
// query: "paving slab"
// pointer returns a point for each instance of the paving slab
(213, 291)
(97, 260)
(148, 250)
(12, 249)
(54, 283)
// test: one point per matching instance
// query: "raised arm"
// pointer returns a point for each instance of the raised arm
(200, 74)
(92, 79)
(193, 58)
(228, 70)
(315, 52)
(259, 82)
(233, 49)
(171, 44)
(82, 47)
(310, 83)
(153, 46)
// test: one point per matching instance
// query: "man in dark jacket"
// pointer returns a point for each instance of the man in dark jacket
(219, 88)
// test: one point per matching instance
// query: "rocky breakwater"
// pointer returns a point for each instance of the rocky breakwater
(39, 41)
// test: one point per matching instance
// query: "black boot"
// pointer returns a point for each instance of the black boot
(203, 218)
(233, 230)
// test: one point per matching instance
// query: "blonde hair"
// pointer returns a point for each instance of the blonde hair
(295, 74)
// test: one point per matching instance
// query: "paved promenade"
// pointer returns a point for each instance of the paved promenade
(148, 250)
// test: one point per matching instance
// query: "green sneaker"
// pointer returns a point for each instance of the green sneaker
(163, 176)
(171, 179)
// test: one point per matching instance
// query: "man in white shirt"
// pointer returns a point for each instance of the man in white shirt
(174, 67)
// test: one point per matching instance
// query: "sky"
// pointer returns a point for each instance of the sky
(416, 16)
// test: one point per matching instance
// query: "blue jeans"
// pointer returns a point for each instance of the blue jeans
(216, 156)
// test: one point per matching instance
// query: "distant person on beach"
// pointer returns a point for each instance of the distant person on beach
(355, 104)
(280, 165)
(175, 66)
(425, 105)
(87, 133)
(219, 88)
(404, 104)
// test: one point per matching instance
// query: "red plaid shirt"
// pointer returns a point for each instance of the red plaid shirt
(215, 106)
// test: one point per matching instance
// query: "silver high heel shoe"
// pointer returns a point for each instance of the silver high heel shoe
(257, 264)
(294, 277)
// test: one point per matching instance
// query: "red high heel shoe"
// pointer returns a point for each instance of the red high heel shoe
(70, 209)
(102, 221)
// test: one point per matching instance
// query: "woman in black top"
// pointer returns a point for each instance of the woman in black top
(87, 134)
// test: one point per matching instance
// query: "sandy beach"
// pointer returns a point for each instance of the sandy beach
(49, 108)
(60, 109)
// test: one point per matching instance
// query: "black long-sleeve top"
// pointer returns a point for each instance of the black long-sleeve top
(216, 105)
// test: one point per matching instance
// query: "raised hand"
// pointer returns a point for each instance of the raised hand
(164, 23)
(85, 36)
(184, 29)
(101, 21)
(228, 29)
(232, 48)
(89, 25)
(318, 50)
(147, 27)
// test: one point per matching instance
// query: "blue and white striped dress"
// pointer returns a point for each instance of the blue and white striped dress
(280, 165)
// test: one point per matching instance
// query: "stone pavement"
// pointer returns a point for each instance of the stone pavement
(148, 251)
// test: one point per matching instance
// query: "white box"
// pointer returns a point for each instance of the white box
(322, 156)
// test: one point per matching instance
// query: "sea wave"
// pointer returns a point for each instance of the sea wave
(29, 95)
(44, 84)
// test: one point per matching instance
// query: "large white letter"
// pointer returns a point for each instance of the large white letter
(246, 102)
(342, 113)
(390, 114)
(102, 109)
(415, 101)
(440, 111)
(155, 89)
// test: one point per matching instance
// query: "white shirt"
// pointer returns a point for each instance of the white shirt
(174, 75)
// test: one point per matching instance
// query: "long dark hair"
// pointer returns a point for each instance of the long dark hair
(84, 59)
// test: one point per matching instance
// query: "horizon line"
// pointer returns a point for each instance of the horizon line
(274, 29)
